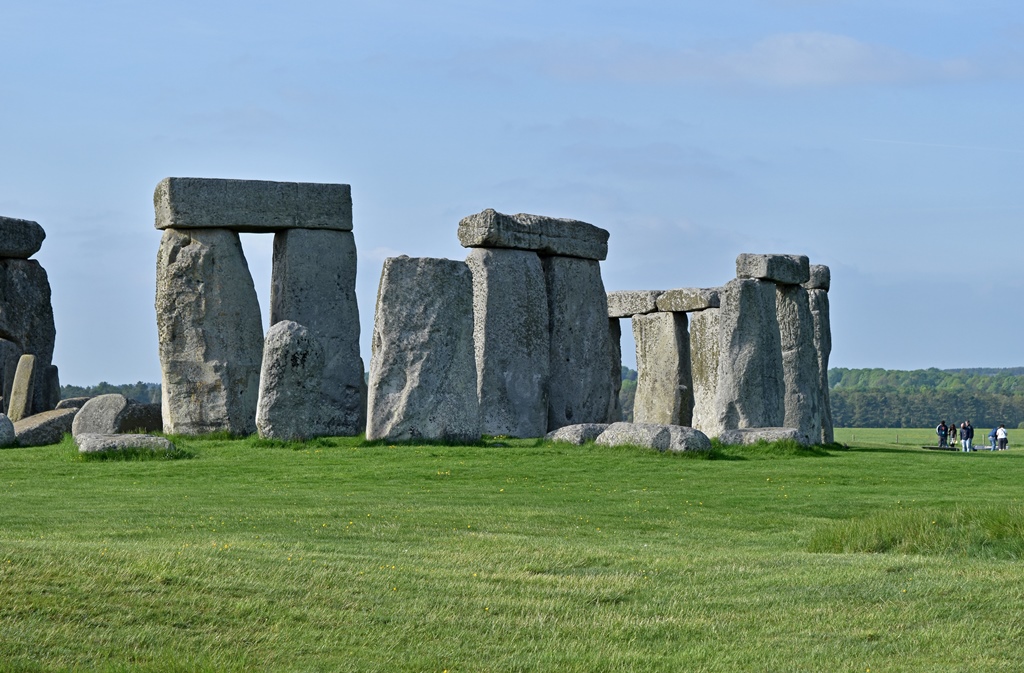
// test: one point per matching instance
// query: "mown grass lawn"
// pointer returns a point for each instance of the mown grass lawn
(515, 556)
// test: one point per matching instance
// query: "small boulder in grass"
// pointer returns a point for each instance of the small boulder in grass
(7, 434)
(102, 443)
(46, 428)
(577, 434)
(682, 438)
(675, 438)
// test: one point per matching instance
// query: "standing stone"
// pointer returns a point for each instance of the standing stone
(664, 387)
(510, 332)
(544, 235)
(785, 269)
(751, 389)
(799, 363)
(423, 382)
(615, 341)
(50, 381)
(26, 318)
(704, 346)
(580, 385)
(290, 384)
(20, 239)
(823, 347)
(210, 333)
(314, 284)
(21, 392)
(10, 353)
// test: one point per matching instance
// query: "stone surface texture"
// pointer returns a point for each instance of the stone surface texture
(10, 353)
(664, 387)
(545, 235)
(823, 347)
(628, 303)
(314, 284)
(751, 388)
(20, 405)
(423, 382)
(704, 345)
(786, 269)
(290, 382)
(26, 319)
(111, 443)
(799, 363)
(72, 403)
(511, 340)
(615, 370)
(114, 413)
(8, 437)
(683, 438)
(251, 205)
(210, 333)
(577, 434)
(580, 384)
(20, 239)
(821, 278)
(646, 435)
(746, 436)
(46, 428)
(687, 299)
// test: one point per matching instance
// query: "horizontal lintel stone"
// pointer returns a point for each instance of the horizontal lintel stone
(785, 269)
(821, 278)
(20, 239)
(628, 303)
(253, 206)
(687, 299)
(544, 235)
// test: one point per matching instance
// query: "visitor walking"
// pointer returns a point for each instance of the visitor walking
(1001, 437)
(942, 431)
(992, 439)
(967, 435)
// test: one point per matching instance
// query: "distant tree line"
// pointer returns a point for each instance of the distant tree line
(146, 393)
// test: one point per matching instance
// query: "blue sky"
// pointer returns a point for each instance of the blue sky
(881, 138)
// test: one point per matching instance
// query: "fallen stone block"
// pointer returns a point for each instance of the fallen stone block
(290, 382)
(8, 437)
(577, 434)
(113, 443)
(114, 414)
(683, 438)
(544, 235)
(46, 428)
(628, 303)
(72, 403)
(251, 205)
(744, 436)
(821, 278)
(20, 239)
(785, 269)
(656, 436)
(687, 299)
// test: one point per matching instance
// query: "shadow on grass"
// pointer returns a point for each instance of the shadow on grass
(783, 449)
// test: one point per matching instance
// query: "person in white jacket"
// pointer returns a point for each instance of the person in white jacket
(1001, 437)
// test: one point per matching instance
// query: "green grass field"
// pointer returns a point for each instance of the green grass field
(514, 556)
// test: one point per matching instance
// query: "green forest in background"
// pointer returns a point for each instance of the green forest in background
(861, 398)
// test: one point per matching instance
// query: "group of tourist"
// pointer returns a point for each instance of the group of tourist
(947, 436)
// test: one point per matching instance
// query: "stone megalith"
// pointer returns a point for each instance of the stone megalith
(210, 333)
(423, 381)
(799, 363)
(314, 284)
(628, 303)
(823, 347)
(8, 437)
(10, 353)
(688, 299)
(785, 269)
(23, 388)
(20, 239)
(113, 414)
(704, 345)
(664, 386)
(289, 403)
(26, 319)
(543, 235)
(615, 343)
(751, 388)
(512, 344)
(580, 383)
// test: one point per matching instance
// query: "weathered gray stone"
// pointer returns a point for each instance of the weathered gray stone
(10, 353)
(114, 414)
(786, 269)
(704, 345)
(688, 299)
(664, 387)
(646, 435)
(682, 438)
(744, 436)
(577, 434)
(50, 382)
(290, 383)
(46, 428)
(821, 278)
(510, 333)
(210, 333)
(314, 284)
(251, 205)
(72, 403)
(799, 363)
(628, 303)
(20, 238)
(113, 443)
(545, 235)
(751, 389)
(423, 382)
(26, 318)
(7, 435)
(823, 347)
(615, 343)
(20, 405)
(580, 381)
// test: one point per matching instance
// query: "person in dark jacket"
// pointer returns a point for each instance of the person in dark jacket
(942, 431)
(967, 435)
